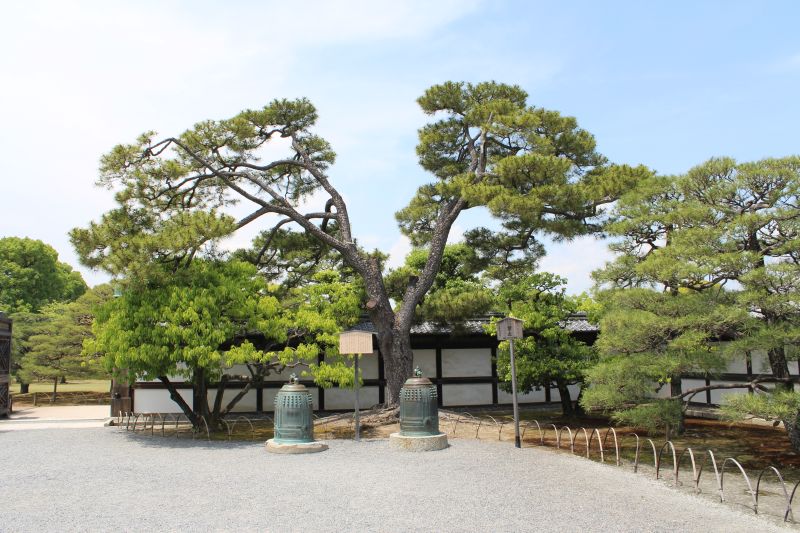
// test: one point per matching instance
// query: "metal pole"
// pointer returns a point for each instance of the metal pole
(358, 421)
(514, 395)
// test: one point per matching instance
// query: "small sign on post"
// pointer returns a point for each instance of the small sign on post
(355, 343)
(510, 328)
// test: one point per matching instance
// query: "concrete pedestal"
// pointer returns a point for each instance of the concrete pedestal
(418, 444)
(304, 447)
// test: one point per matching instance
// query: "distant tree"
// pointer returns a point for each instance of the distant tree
(53, 340)
(198, 322)
(25, 325)
(708, 268)
(31, 276)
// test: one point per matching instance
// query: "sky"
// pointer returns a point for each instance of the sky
(667, 84)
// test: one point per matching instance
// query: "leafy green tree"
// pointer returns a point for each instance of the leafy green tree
(52, 341)
(534, 169)
(458, 292)
(31, 276)
(466, 287)
(199, 321)
(708, 268)
(26, 324)
(549, 355)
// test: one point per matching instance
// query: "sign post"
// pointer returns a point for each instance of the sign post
(355, 343)
(509, 329)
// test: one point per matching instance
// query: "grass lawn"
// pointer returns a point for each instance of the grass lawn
(85, 385)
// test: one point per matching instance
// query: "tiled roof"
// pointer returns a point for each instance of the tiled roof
(575, 322)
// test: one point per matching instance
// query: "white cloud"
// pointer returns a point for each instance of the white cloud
(456, 234)
(575, 260)
(83, 77)
(398, 252)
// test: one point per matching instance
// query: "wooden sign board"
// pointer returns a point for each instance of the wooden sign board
(355, 342)
(509, 328)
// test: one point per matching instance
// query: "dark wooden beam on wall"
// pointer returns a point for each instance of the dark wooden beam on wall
(381, 378)
(494, 375)
(438, 381)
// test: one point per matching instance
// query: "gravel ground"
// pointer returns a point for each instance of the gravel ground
(107, 479)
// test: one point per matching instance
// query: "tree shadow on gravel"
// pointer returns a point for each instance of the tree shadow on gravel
(157, 441)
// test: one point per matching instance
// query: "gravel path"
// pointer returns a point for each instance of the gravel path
(107, 479)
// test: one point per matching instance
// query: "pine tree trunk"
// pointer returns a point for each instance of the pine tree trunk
(398, 363)
(780, 369)
(55, 389)
(177, 398)
(579, 410)
(566, 399)
(793, 432)
(24, 388)
(200, 398)
(675, 389)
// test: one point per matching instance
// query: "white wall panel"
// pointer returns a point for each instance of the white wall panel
(718, 396)
(367, 364)
(760, 362)
(158, 401)
(574, 390)
(426, 361)
(664, 392)
(533, 396)
(336, 398)
(737, 365)
(687, 384)
(471, 394)
(246, 405)
(466, 362)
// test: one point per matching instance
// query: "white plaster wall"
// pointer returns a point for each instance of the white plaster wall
(718, 395)
(738, 365)
(574, 390)
(664, 392)
(532, 397)
(760, 362)
(336, 398)
(687, 384)
(466, 362)
(238, 370)
(158, 401)
(367, 364)
(793, 368)
(471, 394)
(246, 405)
(426, 361)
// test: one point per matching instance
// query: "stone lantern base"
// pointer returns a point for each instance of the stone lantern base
(418, 444)
(299, 447)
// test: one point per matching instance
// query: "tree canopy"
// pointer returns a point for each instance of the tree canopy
(201, 321)
(534, 169)
(708, 269)
(50, 346)
(549, 355)
(31, 276)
